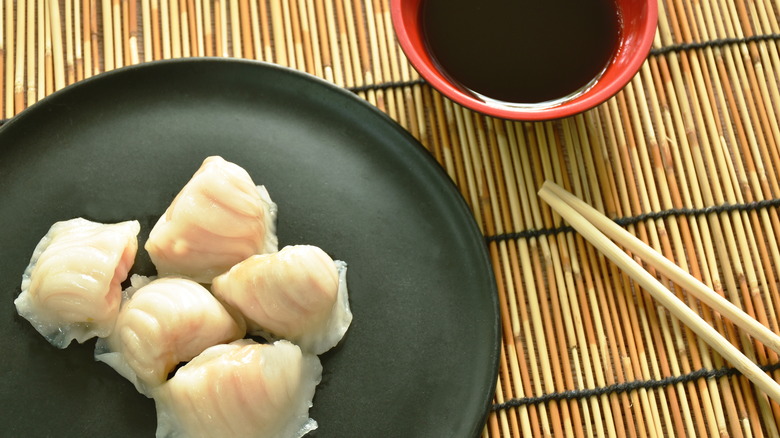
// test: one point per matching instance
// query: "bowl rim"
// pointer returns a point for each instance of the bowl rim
(578, 105)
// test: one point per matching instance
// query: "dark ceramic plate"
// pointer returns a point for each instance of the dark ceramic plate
(420, 359)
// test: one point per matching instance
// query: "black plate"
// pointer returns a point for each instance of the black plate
(420, 359)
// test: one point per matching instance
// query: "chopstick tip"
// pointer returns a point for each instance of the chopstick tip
(546, 189)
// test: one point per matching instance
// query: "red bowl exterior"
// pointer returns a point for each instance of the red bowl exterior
(639, 27)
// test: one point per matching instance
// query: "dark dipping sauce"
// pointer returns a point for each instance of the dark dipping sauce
(521, 51)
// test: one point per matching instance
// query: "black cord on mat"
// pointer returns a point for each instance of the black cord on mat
(713, 43)
(386, 85)
(675, 212)
(624, 387)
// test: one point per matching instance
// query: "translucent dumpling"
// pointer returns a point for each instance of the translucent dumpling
(162, 323)
(298, 294)
(240, 390)
(72, 287)
(218, 219)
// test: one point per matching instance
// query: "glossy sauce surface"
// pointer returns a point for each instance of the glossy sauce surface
(521, 51)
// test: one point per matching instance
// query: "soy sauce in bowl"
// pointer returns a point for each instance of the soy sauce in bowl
(522, 52)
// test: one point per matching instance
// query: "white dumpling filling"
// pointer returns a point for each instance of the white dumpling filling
(162, 323)
(240, 390)
(298, 294)
(72, 287)
(219, 218)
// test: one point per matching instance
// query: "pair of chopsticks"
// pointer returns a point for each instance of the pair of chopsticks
(591, 224)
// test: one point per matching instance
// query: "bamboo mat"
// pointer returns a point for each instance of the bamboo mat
(686, 157)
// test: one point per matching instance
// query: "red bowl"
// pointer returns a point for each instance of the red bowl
(639, 21)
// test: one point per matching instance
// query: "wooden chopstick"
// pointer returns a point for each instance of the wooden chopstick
(668, 268)
(658, 291)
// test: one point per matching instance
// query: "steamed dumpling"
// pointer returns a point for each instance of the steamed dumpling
(298, 294)
(240, 390)
(218, 219)
(72, 287)
(162, 323)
